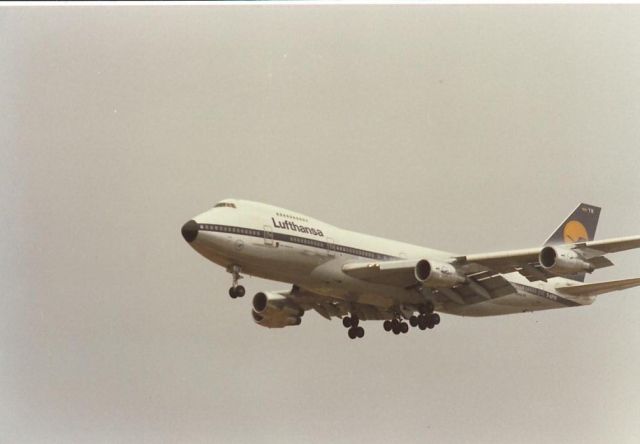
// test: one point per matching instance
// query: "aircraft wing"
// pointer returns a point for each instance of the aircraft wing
(601, 247)
(483, 271)
(598, 287)
(399, 273)
(478, 285)
(526, 261)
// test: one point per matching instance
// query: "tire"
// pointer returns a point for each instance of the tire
(404, 327)
(387, 325)
(352, 333)
(239, 291)
(360, 332)
(346, 321)
(396, 329)
(232, 293)
(435, 318)
(422, 323)
(355, 321)
(413, 320)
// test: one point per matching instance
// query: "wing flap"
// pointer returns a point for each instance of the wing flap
(600, 262)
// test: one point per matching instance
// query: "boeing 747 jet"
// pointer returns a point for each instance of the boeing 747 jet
(358, 277)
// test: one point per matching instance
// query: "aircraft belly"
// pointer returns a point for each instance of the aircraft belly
(508, 304)
(328, 279)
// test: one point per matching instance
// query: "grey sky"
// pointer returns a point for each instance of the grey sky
(462, 128)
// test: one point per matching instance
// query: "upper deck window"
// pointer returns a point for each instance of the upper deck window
(225, 204)
(292, 217)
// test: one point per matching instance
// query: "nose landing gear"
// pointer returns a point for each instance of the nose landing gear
(236, 291)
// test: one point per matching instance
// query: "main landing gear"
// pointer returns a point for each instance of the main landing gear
(396, 325)
(352, 323)
(425, 319)
(236, 291)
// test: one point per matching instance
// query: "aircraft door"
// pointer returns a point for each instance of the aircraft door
(268, 236)
(331, 247)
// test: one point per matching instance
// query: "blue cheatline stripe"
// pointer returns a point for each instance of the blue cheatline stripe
(295, 240)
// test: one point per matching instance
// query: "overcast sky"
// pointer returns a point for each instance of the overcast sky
(468, 129)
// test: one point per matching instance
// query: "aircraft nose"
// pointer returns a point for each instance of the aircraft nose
(190, 231)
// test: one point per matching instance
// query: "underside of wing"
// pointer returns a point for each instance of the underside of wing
(400, 273)
(599, 287)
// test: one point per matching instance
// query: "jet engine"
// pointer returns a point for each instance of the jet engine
(562, 261)
(438, 274)
(273, 310)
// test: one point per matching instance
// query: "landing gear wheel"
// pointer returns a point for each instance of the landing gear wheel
(236, 292)
(404, 327)
(422, 322)
(413, 320)
(351, 322)
(387, 325)
(435, 318)
(396, 328)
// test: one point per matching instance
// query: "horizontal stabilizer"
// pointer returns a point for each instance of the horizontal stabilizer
(598, 287)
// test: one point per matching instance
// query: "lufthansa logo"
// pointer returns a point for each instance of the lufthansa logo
(574, 232)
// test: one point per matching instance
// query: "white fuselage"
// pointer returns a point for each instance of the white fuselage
(282, 245)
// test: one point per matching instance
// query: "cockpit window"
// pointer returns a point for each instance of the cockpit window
(225, 204)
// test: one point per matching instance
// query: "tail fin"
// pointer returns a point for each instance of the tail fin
(580, 226)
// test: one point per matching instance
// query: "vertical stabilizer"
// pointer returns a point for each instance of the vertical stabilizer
(580, 226)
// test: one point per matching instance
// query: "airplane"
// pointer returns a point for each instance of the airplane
(358, 277)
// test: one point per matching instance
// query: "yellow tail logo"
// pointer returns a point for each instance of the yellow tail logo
(574, 232)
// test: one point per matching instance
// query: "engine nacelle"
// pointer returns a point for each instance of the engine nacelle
(438, 274)
(562, 261)
(273, 310)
